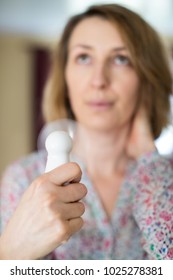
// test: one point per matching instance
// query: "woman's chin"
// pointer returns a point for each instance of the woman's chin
(101, 125)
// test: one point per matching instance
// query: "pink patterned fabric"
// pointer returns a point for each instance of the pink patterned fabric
(141, 226)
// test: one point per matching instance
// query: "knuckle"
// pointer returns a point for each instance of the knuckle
(80, 223)
(82, 208)
(40, 182)
(77, 191)
(62, 230)
(50, 215)
(59, 214)
(50, 211)
(48, 200)
(82, 189)
(76, 168)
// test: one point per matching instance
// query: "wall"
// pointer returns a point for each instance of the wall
(16, 67)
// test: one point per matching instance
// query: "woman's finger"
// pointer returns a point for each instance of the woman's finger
(68, 172)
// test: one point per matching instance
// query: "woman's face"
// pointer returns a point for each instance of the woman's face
(102, 83)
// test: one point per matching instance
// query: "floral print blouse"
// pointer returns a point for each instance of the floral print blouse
(141, 226)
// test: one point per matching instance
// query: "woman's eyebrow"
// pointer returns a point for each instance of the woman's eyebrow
(121, 48)
(83, 46)
(88, 47)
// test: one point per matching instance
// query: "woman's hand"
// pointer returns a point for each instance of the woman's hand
(140, 139)
(47, 215)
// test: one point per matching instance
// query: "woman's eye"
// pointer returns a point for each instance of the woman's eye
(121, 60)
(83, 59)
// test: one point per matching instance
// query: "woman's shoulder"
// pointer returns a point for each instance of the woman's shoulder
(36, 159)
(28, 167)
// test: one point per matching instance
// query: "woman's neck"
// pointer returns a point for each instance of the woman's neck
(102, 152)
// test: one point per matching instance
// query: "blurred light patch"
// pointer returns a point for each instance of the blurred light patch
(164, 143)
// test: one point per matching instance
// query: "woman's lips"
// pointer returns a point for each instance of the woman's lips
(100, 105)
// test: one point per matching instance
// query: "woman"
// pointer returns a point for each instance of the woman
(111, 76)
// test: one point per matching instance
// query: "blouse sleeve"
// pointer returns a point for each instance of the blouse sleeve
(12, 186)
(153, 204)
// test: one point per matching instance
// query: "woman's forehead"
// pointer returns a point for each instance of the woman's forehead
(96, 31)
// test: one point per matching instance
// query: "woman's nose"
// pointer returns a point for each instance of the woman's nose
(100, 78)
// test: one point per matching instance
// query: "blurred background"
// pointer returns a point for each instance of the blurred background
(28, 31)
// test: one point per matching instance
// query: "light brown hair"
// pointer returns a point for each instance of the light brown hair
(148, 59)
